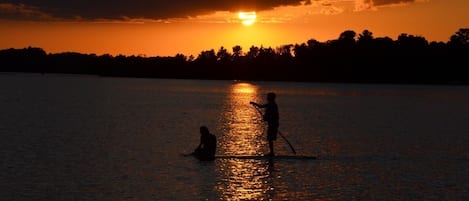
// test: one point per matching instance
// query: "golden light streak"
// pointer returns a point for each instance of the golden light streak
(246, 179)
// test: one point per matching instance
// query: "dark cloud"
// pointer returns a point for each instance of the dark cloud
(374, 4)
(149, 9)
(390, 2)
(21, 12)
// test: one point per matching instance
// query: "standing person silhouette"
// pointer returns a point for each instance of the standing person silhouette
(271, 116)
(207, 146)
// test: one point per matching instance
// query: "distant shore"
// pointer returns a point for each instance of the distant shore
(408, 60)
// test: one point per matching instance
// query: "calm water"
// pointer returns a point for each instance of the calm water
(91, 138)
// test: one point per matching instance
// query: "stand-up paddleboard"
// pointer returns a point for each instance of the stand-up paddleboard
(263, 157)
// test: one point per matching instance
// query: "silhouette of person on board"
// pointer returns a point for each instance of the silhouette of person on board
(271, 116)
(207, 147)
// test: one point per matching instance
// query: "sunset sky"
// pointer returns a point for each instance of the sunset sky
(165, 28)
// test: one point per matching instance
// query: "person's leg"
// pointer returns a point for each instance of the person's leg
(271, 131)
(271, 147)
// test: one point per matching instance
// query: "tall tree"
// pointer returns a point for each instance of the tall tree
(460, 38)
(365, 38)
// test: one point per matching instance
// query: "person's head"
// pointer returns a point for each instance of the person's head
(204, 130)
(271, 96)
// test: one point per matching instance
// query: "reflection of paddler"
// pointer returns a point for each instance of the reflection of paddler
(207, 147)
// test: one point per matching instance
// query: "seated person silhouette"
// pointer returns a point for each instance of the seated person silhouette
(207, 147)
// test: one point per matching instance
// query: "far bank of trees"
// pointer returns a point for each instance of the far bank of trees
(352, 57)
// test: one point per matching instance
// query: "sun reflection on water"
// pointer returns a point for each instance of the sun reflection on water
(244, 179)
(244, 132)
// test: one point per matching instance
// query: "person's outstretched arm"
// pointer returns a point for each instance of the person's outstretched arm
(258, 105)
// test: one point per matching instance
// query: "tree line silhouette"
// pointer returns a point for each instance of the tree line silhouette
(352, 57)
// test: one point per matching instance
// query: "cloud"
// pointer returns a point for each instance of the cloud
(163, 10)
(361, 5)
(130, 9)
(393, 2)
(22, 12)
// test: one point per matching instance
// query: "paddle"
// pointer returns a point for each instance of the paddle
(280, 133)
(289, 144)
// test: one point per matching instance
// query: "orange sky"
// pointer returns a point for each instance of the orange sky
(323, 20)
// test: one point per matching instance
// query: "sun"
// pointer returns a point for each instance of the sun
(247, 18)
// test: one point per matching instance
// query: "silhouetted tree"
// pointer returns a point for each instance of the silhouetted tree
(253, 52)
(207, 57)
(347, 38)
(460, 38)
(411, 42)
(237, 51)
(365, 39)
(30, 59)
(223, 56)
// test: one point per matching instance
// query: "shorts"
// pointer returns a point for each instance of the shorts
(272, 133)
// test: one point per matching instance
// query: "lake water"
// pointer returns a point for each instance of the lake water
(92, 138)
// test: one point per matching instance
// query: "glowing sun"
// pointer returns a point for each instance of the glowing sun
(247, 18)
